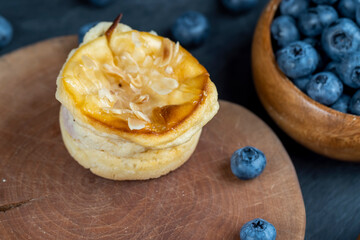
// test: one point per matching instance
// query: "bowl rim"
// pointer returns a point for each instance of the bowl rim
(273, 5)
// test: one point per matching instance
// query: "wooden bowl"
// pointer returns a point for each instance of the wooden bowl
(316, 126)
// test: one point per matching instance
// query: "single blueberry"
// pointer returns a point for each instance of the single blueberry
(84, 29)
(342, 104)
(328, 2)
(354, 105)
(100, 3)
(258, 229)
(357, 15)
(347, 8)
(312, 22)
(248, 163)
(6, 32)
(325, 87)
(298, 59)
(191, 29)
(349, 70)
(293, 7)
(284, 31)
(331, 67)
(238, 6)
(301, 83)
(340, 38)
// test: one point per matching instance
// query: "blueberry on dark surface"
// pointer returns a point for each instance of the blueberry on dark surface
(100, 3)
(191, 29)
(331, 67)
(298, 59)
(6, 32)
(238, 6)
(349, 70)
(340, 38)
(347, 8)
(312, 22)
(293, 7)
(301, 83)
(247, 163)
(342, 104)
(284, 30)
(325, 88)
(258, 229)
(84, 29)
(328, 2)
(354, 105)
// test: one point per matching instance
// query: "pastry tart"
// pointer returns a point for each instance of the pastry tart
(132, 103)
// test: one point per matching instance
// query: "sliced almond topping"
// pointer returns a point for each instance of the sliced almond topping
(133, 106)
(153, 32)
(114, 70)
(119, 111)
(142, 116)
(142, 98)
(157, 61)
(176, 50)
(128, 56)
(169, 70)
(136, 124)
(135, 39)
(134, 89)
(164, 86)
(148, 62)
(167, 52)
(137, 112)
(88, 62)
(178, 59)
(137, 82)
(105, 93)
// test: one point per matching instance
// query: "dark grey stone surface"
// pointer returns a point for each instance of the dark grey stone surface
(331, 189)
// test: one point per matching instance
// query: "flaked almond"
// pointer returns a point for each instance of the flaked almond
(167, 52)
(177, 47)
(153, 33)
(119, 111)
(134, 89)
(148, 62)
(115, 70)
(133, 106)
(178, 59)
(127, 56)
(142, 98)
(142, 116)
(135, 39)
(105, 93)
(88, 62)
(169, 70)
(164, 86)
(137, 82)
(136, 124)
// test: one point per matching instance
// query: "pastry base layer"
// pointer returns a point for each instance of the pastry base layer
(151, 163)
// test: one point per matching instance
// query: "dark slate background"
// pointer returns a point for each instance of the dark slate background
(331, 189)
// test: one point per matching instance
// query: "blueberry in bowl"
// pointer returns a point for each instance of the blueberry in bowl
(309, 100)
(341, 38)
(284, 30)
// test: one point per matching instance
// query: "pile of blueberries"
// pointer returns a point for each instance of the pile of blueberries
(317, 46)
